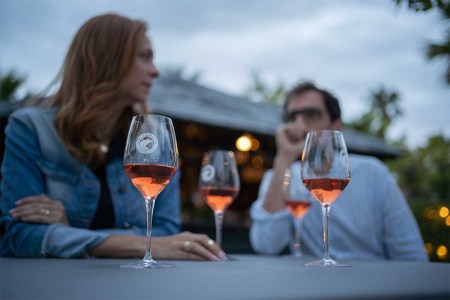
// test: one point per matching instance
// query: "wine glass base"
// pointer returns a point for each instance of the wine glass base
(325, 263)
(230, 258)
(146, 265)
(297, 254)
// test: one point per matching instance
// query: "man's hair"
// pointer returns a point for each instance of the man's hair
(331, 102)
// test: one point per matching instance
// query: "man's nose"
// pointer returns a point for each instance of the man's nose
(299, 118)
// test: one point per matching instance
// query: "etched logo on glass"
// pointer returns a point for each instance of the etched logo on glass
(208, 173)
(146, 143)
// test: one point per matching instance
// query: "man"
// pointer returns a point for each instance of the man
(370, 220)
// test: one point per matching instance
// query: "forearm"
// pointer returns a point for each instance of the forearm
(273, 200)
(120, 246)
(270, 234)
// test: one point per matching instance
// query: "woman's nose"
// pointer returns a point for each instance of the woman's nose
(154, 71)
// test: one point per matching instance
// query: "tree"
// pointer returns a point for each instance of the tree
(423, 174)
(9, 83)
(435, 50)
(259, 91)
(384, 110)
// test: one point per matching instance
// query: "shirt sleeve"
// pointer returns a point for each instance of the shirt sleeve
(269, 232)
(21, 154)
(66, 242)
(402, 238)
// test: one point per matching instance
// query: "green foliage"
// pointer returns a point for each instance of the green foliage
(441, 51)
(260, 91)
(384, 110)
(424, 5)
(435, 50)
(424, 176)
(9, 83)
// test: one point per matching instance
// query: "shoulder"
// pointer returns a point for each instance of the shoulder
(368, 163)
(31, 115)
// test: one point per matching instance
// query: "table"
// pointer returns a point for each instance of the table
(249, 277)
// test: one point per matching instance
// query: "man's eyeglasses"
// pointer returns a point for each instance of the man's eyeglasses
(309, 114)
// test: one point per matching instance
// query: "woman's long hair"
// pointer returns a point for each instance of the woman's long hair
(100, 57)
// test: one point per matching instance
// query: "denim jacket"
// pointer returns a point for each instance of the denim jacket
(37, 162)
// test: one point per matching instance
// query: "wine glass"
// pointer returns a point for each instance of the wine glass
(150, 161)
(219, 184)
(298, 200)
(326, 173)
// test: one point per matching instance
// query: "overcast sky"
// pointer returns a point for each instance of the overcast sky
(349, 47)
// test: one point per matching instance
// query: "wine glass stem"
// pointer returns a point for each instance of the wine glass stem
(218, 218)
(326, 243)
(149, 205)
(297, 248)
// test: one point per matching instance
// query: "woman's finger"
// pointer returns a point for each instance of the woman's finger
(194, 250)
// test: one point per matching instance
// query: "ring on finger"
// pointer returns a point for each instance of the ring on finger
(45, 211)
(210, 242)
(187, 246)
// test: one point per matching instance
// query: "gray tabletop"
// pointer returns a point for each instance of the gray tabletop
(249, 277)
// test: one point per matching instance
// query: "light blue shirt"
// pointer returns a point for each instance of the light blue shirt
(37, 162)
(370, 220)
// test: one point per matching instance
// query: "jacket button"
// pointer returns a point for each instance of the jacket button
(126, 225)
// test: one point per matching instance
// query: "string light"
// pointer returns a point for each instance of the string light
(430, 213)
(255, 144)
(441, 252)
(244, 143)
(443, 212)
(257, 162)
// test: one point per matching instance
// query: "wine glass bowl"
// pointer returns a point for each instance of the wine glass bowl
(150, 161)
(326, 173)
(297, 199)
(219, 184)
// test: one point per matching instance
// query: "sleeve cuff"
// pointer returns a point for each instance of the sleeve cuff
(67, 242)
(258, 213)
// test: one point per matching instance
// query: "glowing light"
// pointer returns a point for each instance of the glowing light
(447, 221)
(441, 252)
(191, 130)
(429, 247)
(255, 144)
(443, 212)
(431, 213)
(244, 143)
(241, 158)
(257, 162)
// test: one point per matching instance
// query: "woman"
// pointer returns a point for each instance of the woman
(64, 192)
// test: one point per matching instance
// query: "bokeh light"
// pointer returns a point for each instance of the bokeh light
(441, 252)
(443, 212)
(244, 143)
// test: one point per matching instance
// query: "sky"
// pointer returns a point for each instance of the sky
(350, 47)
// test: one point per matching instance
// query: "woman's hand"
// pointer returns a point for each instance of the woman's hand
(40, 209)
(182, 246)
(187, 246)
